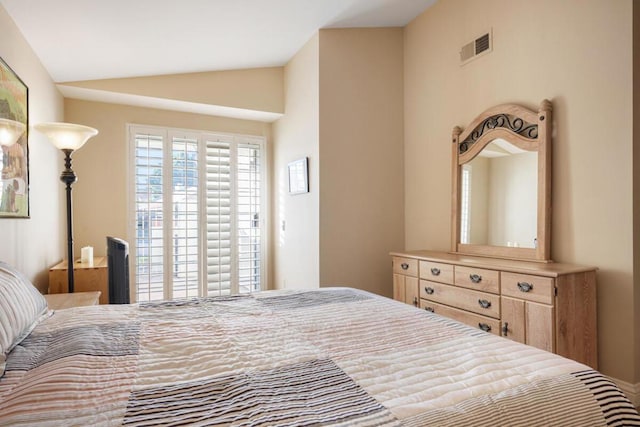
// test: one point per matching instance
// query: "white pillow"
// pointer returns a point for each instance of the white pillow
(21, 307)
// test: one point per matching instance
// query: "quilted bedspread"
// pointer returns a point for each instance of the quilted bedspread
(332, 356)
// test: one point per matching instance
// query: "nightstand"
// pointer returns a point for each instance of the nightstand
(87, 277)
(76, 299)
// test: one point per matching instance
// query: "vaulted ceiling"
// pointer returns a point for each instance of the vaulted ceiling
(100, 39)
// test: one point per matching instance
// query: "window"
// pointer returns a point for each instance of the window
(198, 205)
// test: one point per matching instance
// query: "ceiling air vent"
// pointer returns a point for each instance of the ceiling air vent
(478, 47)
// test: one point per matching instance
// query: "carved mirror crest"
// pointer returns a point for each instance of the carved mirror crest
(501, 175)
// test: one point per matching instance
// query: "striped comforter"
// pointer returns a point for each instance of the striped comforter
(333, 356)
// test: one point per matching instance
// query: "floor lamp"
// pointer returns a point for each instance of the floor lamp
(68, 138)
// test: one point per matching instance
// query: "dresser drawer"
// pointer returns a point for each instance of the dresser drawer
(436, 271)
(479, 279)
(478, 302)
(487, 324)
(528, 287)
(406, 266)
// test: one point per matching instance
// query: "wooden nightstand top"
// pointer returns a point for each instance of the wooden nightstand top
(98, 262)
(76, 299)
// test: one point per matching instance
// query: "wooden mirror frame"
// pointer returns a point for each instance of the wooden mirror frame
(526, 129)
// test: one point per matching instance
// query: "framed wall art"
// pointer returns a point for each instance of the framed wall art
(14, 159)
(298, 176)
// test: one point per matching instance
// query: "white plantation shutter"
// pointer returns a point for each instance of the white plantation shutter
(185, 217)
(234, 195)
(209, 188)
(465, 205)
(219, 224)
(149, 235)
(248, 191)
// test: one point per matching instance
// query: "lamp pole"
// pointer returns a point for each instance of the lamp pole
(67, 137)
(69, 177)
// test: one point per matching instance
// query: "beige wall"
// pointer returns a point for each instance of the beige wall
(296, 135)
(582, 62)
(636, 181)
(361, 156)
(258, 89)
(343, 110)
(35, 244)
(101, 193)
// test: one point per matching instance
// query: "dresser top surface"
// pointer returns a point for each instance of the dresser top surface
(551, 269)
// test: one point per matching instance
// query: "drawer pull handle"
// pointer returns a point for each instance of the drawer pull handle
(404, 266)
(524, 286)
(484, 327)
(415, 301)
(430, 309)
(475, 278)
(484, 303)
(429, 290)
(505, 329)
(435, 271)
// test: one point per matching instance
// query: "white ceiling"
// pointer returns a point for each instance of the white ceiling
(99, 39)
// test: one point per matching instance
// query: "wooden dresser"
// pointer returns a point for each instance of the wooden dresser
(551, 306)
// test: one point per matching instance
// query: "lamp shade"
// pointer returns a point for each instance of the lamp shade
(10, 131)
(66, 136)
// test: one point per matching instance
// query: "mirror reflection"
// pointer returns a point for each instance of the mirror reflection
(499, 197)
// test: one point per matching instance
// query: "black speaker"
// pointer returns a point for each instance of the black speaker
(118, 262)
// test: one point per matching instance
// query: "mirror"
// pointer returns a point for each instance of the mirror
(499, 197)
(501, 176)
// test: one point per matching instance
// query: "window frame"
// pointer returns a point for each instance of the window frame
(167, 134)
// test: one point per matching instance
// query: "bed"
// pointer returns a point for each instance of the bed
(330, 356)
